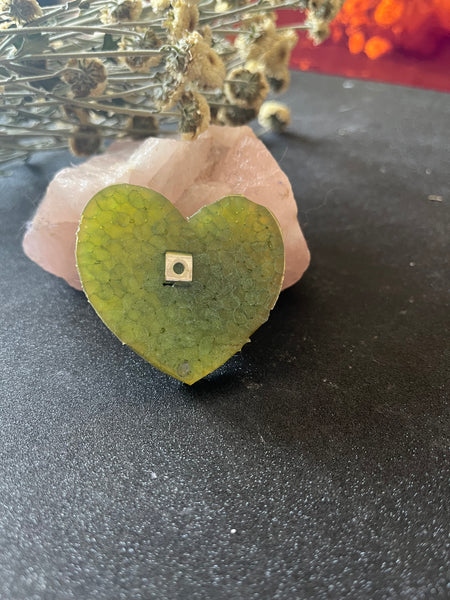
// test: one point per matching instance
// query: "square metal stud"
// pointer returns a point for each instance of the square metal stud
(179, 267)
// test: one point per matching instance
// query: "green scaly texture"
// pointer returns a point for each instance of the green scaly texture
(186, 329)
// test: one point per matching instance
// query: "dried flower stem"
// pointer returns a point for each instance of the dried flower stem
(68, 55)
(68, 29)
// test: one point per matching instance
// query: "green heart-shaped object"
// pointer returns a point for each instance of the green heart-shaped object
(133, 254)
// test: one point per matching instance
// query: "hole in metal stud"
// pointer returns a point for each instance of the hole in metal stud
(178, 268)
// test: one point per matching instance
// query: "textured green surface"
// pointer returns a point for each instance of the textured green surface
(186, 329)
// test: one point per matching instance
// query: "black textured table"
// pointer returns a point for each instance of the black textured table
(312, 465)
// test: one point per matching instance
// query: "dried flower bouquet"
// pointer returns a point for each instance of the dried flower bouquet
(93, 70)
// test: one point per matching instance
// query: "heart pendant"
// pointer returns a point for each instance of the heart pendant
(184, 294)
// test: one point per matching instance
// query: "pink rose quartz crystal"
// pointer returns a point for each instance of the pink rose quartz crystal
(191, 174)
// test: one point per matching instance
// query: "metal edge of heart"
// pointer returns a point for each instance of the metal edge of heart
(123, 187)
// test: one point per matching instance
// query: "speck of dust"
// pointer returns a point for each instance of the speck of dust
(348, 84)
(232, 531)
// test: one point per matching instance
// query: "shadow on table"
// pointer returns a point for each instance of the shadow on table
(350, 361)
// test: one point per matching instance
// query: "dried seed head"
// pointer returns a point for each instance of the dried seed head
(279, 80)
(318, 30)
(274, 116)
(128, 10)
(195, 115)
(183, 19)
(21, 11)
(141, 127)
(316, 5)
(257, 36)
(86, 76)
(206, 33)
(279, 54)
(159, 6)
(245, 88)
(325, 10)
(205, 67)
(86, 140)
(141, 64)
(234, 115)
